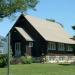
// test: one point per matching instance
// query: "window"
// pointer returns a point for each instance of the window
(70, 48)
(30, 44)
(51, 46)
(1, 44)
(17, 49)
(61, 47)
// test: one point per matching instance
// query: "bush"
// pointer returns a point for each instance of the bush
(3, 60)
(26, 59)
(23, 60)
(36, 60)
(15, 61)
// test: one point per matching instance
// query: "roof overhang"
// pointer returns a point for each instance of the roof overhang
(24, 34)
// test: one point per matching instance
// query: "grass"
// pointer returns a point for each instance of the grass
(40, 69)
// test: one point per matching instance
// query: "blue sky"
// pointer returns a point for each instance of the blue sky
(62, 11)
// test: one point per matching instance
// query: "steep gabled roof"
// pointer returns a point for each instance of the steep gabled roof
(50, 31)
(24, 34)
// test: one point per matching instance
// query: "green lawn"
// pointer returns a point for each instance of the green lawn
(40, 69)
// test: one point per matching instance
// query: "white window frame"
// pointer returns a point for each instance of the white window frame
(61, 47)
(30, 44)
(51, 46)
(17, 49)
(70, 48)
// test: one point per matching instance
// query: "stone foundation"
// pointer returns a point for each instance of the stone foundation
(55, 59)
(60, 59)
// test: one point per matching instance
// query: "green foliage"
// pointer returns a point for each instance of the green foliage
(8, 7)
(21, 60)
(73, 27)
(26, 59)
(36, 59)
(15, 61)
(3, 60)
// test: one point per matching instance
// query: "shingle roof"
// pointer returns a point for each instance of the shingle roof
(23, 33)
(50, 31)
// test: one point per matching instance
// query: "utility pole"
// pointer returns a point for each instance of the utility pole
(8, 72)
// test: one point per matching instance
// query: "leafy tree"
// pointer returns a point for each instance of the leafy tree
(8, 7)
(73, 27)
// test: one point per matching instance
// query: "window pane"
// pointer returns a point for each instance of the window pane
(70, 48)
(51, 46)
(61, 47)
(30, 44)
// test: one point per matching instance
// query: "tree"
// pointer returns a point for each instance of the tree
(73, 27)
(8, 7)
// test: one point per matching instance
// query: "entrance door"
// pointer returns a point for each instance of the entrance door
(17, 49)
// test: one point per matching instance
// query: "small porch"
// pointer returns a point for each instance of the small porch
(21, 42)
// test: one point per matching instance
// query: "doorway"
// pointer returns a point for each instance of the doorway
(17, 49)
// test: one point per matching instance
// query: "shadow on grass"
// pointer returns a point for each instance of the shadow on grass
(64, 64)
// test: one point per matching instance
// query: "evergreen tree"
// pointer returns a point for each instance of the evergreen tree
(8, 7)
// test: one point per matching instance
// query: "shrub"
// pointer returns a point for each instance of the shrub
(29, 59)
(15, 61)
(3, 60)
(23, 60)
(36, 60)
(26, 59)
